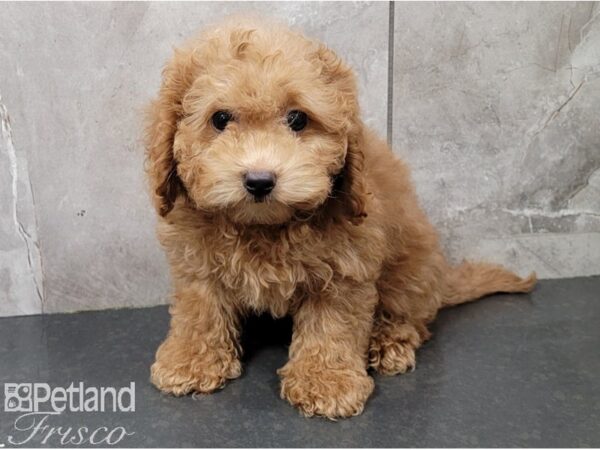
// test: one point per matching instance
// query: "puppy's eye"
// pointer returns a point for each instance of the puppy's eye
(297, 120)
(220, 119)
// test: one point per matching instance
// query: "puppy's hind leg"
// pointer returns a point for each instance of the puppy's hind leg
(394, 341)
(400, 325)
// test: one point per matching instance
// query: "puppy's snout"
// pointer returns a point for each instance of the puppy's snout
(259, 183)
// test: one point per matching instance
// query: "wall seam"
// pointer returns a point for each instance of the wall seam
(390, 74)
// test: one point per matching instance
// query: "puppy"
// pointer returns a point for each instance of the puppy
(273, 196)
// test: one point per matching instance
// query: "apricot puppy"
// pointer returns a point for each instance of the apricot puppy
(274, 197)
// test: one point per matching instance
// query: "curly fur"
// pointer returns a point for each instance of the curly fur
(341, 244)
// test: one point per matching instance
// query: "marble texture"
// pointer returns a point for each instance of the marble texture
(21, 288)
(494, 105)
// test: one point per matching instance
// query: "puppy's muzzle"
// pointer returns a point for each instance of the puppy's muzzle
(259, 184)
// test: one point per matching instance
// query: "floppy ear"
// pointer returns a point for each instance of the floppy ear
(353, 183)
(162, 118)
(349, 186)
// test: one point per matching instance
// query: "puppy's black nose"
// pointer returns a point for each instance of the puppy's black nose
(259, 183)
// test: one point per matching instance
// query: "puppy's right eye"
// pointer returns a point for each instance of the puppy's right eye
(220, 119)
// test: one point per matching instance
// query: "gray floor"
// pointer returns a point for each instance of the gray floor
(506, 371)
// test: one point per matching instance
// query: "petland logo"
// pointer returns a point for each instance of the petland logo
(39, 397)
(38, 403)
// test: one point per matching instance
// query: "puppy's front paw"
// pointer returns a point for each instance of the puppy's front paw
(179, 373)
(331, 393)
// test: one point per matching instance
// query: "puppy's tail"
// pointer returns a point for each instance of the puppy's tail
(471, 281)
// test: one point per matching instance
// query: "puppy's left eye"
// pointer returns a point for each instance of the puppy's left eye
(297, 120)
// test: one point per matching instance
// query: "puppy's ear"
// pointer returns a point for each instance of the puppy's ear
(350, 185)
(162, 119)
(353, 182)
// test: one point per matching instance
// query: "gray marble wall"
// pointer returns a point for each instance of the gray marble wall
(494, 105)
